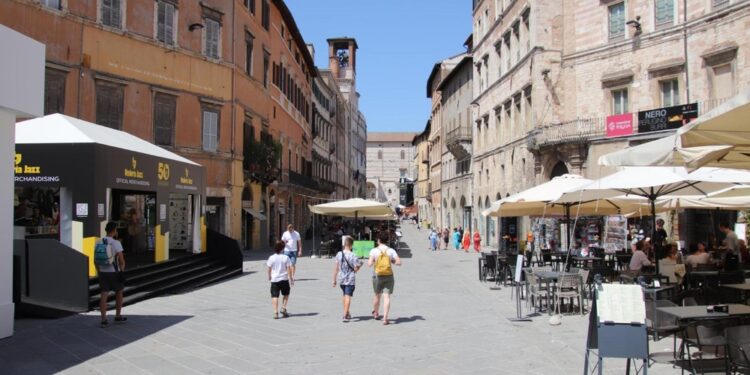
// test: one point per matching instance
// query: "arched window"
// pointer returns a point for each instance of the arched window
(559, 170)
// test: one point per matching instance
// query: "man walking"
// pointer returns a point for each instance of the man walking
(347, 265)
(381, 258)
(279, 274)
(110, 275)
(292, 247)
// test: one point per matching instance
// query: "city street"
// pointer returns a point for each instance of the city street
(444, 322)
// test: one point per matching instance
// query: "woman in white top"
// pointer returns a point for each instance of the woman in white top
(699, 256)
(639, 258)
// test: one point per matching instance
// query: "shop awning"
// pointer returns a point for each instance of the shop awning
(254, 213)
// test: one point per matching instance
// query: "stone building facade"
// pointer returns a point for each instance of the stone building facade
(390, 163)
(551, 77)
(456, 186)
(422, 188)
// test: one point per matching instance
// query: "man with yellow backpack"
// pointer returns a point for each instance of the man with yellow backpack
(382, 257)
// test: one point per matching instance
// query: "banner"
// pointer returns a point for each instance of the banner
(618, 125)
(666, 118)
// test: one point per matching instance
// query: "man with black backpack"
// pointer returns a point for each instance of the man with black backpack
(382, 257)
(110, 263)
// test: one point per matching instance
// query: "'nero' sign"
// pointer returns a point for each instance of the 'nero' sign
(666, 118)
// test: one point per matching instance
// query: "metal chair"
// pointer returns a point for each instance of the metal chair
(703, 335)
(490, 266)
(569, 286)
(661, 324)
(738, 345)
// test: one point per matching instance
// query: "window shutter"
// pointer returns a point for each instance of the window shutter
(106, 12)
(169, 23)
(116, 17)
(161, 21)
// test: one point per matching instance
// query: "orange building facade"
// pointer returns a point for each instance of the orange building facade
(225, 83)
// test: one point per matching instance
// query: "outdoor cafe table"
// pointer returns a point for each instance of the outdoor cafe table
(742, 288)
(583, 262)
(548, 277)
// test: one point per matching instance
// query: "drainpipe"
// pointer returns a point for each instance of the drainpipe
(685, 50)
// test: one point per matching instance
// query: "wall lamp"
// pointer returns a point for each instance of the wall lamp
(636, 24)
(195, 26)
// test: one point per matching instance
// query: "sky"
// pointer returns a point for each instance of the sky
(399, 43)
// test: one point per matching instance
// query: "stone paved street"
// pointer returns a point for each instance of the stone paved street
(446, 322)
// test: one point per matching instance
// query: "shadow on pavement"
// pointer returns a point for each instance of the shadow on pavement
(412, 318)
(296, 280)
(302, 315)
(51, 346)
(404, 251)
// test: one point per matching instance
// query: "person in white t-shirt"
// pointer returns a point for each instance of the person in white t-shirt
(292, 246)
(382, 284)
(279, 267)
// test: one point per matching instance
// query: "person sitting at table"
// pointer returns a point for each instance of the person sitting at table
(639, 258)
(699, 256)
(668, 264)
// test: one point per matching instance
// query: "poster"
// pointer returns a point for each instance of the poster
(615, 233)
(618, 125)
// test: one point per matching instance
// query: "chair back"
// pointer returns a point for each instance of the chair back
(738, 342)
(705, 267)
(584, 273)
(569, 281)
(689, 301)
(490, 261)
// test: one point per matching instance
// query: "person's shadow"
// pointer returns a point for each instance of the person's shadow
(409, 319)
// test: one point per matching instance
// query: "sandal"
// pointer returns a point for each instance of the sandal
(375, 315)
(284, 313)
(120, 319)
(275, 315)
(385, 322)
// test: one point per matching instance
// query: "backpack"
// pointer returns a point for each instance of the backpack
(103, 253)
(383, 264)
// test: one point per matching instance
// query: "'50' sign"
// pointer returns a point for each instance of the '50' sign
(163, 172)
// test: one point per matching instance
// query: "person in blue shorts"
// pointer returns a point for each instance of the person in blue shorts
(347, 265)
(292, 247)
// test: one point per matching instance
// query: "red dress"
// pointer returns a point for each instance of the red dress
(477, 241)
(466, 242)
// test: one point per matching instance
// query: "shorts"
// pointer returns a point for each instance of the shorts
(280, 286)
(110, 281)
(292, 256)
(348, 290)
(383, 284)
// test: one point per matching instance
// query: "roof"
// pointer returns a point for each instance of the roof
(424, 134)
(433, 73)
(438, 66)
(343, 39)
(466, 60)
(405, 137)
(292, 25)
(58, 128)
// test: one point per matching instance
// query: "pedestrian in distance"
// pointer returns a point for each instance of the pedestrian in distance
(347, 265)
(110, 263)
(280, 275)
(466, 242)
(433, 240)
(292, 247)
(477, 240)
(382, 258)
(456, 239)
(446, 238)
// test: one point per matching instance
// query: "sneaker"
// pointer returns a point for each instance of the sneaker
(284, 313)
(120, 319)
(345, 319)
(104, 323)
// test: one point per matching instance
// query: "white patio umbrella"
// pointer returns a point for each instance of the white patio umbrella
(651, 183)
(741, 191)
(538, 201)
(355, 208)
(719, 138)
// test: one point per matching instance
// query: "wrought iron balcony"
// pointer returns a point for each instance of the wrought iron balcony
(576, 131)
(327, 187)
(458, 141)
(302, 181)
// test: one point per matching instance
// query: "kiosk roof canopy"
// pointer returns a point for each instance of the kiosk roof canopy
(58, 128)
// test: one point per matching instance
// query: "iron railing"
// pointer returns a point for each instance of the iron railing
(303, 181)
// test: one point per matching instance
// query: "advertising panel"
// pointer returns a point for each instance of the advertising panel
(666, 118)
(618, 125)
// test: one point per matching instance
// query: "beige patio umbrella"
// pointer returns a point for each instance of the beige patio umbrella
(353, 208)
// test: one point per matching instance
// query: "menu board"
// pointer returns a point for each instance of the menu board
(615, 234)
(621, 303)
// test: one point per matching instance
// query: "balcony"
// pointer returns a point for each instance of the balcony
(326, 187)
(424, 157)
(302, 181)
(576, 131)
(458, 141)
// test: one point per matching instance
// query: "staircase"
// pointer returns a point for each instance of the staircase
(165, 277)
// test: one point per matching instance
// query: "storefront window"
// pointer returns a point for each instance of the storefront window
(37, 212)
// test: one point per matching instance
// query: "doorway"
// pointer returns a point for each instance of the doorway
(215, 214)
(135, 215)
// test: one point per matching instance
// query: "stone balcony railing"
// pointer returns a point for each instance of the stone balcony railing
(575, 131)
(302, 181)
(458, 142)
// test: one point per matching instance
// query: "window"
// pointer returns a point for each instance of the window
(402, 172)
(664, 13)
(165, 22)
(266, 63)
(54, 91)
(619, 101)
(616, 20)
(54, 4)
(723, 82)
(111, 13)
(250, 5)
(249, 53)
(210, 130)
(266, 15)
(164, 119)
(211, 37)
(670, 93)
(403, 154)
(109, 104)
(380, 154)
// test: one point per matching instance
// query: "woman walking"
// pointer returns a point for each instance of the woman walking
(477, 240)
(466, 241)
(347, 265)
(446, 238)
(433, 240)
(456, 239)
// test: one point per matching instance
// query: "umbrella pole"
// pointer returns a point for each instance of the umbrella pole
(653, 231)
(313, 244)
(569, 231)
